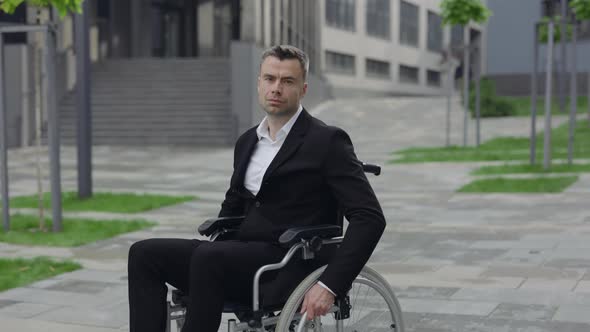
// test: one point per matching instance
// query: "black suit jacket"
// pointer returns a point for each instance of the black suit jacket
(314, 174)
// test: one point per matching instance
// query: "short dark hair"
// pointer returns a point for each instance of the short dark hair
(285, 52)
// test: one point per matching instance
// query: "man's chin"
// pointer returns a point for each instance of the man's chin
(276, 111)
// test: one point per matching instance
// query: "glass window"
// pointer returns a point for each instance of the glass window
(433, 78)
(408, 32)
(435, 33)
(378, 18)
(408, 74)
(584, 31)
(457, 36)
(340, 63)
(341, 14)
(377, 69)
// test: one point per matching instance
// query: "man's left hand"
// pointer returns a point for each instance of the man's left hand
(317, 302)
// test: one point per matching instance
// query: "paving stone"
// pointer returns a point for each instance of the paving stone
(573, 313)
(567, 263)
(5, 303)
(459, 272)
(82, 286)
(24, 309)
(465, 257)
(17, 324)
(544, 297)
(45, 283)
(440, 293)
(401, 268)
(426, 261)
(50, 297)
(583, 286)
(530, 272)
(523, 257)
(565, 285)
(512, 311)
(463, 323)
(447, 307)
(86, 316)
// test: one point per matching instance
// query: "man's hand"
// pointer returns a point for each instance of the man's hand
(317, 302)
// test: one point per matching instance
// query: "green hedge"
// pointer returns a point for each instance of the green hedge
(491, 105)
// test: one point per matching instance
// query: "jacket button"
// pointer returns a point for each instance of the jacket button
(257, 204)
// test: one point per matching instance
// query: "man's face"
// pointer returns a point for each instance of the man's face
(280, 86)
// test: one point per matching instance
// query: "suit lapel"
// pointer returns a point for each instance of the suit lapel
(292, 142)
(244, 158)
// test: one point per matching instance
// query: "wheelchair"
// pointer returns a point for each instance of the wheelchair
(370, 304)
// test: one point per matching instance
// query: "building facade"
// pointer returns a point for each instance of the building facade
(387, 46)
(356, 47)
(510, 47)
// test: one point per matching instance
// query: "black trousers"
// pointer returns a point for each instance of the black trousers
(210, 272)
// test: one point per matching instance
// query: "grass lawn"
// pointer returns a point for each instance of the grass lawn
(525, 168)
(536, 185)
(523, 105)
(104, 202)
(24, 229)
(19, 272)
(503, 148)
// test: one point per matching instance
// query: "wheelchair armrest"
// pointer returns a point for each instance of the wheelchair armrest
(213, 225)
(296, 234)
(371, 168)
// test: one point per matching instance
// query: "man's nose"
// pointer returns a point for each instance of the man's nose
(277, 87)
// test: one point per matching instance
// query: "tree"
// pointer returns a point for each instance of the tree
(462, 12)
(582, 10)
(62, 6)
(544, 30)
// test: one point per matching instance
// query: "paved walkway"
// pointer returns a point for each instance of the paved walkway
(459, 262)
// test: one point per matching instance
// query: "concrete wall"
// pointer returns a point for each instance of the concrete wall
(245, 60)
(18, 86)
(245, 64)
(510, 47)
(519, 84)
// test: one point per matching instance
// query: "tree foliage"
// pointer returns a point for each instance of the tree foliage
(63, 6)
(544, 30)
(461, 12)
(581, 8)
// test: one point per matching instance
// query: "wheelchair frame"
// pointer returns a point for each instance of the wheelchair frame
(298, 240)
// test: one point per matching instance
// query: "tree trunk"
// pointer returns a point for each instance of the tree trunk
(466, 68)
(573, 98)
(548, 90)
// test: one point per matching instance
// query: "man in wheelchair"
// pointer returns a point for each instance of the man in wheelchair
(291, 171)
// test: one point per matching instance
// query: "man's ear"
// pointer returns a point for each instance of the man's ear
(304, 89)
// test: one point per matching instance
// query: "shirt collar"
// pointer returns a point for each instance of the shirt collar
(262, 130)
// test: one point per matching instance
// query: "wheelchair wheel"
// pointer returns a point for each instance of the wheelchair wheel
(369, 306)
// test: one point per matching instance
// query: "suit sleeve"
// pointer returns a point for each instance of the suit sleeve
(347, 181)
(233, 204)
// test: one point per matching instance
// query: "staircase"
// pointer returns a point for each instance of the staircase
(156, 102)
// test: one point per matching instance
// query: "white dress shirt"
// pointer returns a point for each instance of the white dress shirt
(265, 151)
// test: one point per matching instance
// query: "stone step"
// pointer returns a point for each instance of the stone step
(156, 101)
